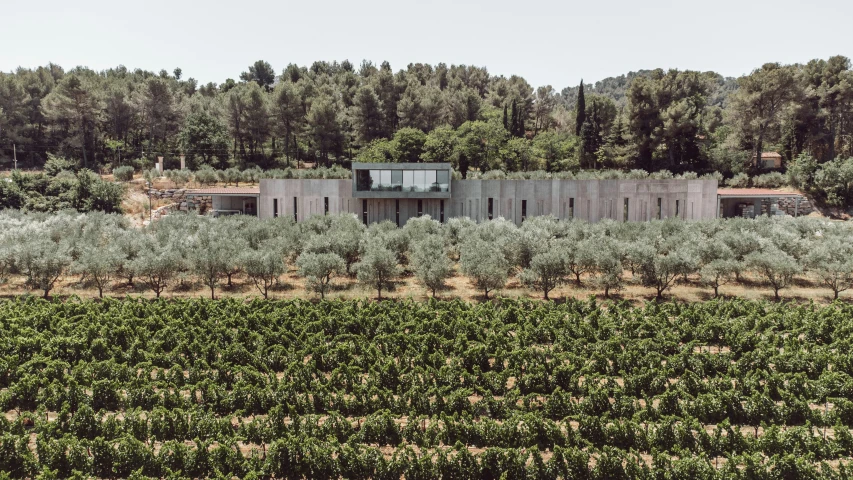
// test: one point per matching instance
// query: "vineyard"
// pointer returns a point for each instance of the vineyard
(420, 390)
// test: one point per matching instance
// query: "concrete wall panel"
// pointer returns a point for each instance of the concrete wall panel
(592, 200)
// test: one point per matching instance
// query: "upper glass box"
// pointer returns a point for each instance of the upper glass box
(390, 180)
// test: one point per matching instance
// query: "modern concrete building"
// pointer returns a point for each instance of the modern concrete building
(398, 192)
(228, 201)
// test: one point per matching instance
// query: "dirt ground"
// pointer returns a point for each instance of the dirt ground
(406, 287)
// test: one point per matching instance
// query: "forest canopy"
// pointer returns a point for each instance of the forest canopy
(332, 113)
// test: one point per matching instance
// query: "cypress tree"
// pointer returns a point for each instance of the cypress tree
(506, 126)
(581, 110)
(519, 128)
(513, 120)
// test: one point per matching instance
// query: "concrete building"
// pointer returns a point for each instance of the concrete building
(753, 202)
(228, 201)
(398, 192)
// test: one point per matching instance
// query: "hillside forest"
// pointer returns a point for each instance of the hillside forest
(332, 113)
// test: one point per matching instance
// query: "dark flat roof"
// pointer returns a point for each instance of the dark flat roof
(400, 166)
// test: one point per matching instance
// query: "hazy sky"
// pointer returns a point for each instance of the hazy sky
(547, 42)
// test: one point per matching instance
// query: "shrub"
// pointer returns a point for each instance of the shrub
(55, 164)
(205, 175)
(661, 175)
(713, 176)
(741, 180)
(123, 173)
(769, 180)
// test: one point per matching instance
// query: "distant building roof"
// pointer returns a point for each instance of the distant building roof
(225, 191)
(769, 155)
(754, 192)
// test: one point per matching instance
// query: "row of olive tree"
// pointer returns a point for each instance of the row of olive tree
(542, 254)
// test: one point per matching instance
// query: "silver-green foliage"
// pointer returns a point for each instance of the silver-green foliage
(484, 263)
(831, 260)
(431, 263)
(264, 266)
(319, 269)
(378, 266)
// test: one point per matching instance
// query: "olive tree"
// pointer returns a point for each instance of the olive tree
(100, 263)
(319, 269)
(378, 266)
(44, 262)
(339, 234)
(546, 272)
(661, 268)
(455, 230)
(209, 257)
(580, 258)
(719, 272)
(6, 256)
(430, 262)
(157, 267)
(775, 266)
(606, 263)
(831, 260)
(484, 263)
(263, 266)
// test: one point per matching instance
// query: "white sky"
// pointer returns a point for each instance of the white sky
(547, 42)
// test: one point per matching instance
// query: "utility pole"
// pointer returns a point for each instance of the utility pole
(15, 155)
(150, 214)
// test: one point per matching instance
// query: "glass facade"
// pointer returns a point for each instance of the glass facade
(402, 181)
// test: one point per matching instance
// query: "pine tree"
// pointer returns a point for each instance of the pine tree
(617, 151)
(581, 110)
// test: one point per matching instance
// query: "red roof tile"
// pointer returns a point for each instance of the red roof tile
(769, 155)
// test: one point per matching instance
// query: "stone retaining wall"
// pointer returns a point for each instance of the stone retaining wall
(789, 206)
(181, 201)
(176, 194)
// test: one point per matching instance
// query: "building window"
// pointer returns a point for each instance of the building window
(363, 182)
(523, 210)
(420, 178)
(274, 207)
(397, 206)
(364, 211)
(660, 208)
(571, 213)
(442, 178)
(430, 185)
(677, 207)
(295, 212)
(440, 211)
(491, 208)
(408, 181)
(625, 211)
(420, 207)
(325, 205)
(397, 180)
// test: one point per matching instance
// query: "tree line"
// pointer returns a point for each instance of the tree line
(542, 254)
(335, 112)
